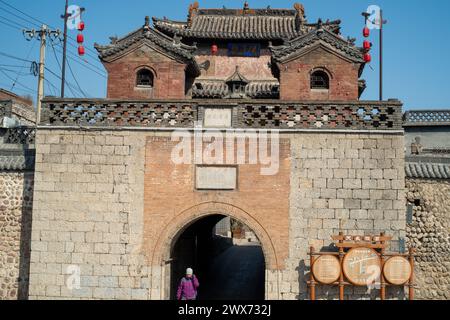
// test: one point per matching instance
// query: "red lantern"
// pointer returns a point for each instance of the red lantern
(367, 58)
(214, 49)
(80, 38)
(367, 45)
(80, 26)
(81, 50)
(366, 32)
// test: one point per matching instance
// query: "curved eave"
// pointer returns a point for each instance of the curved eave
(303, 44)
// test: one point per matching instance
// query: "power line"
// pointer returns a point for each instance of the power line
(59, 64)
(86, 61)
(59, 77)
(19, 17)
(25, 14)
(9, 25)
(12, 79)
(28, 91)
(13, 22)
(11, 65)
(87, 65)
(41, 22)
(70, 68)
(74, 78)
(16, 72)
(28, 56)
(13, 57)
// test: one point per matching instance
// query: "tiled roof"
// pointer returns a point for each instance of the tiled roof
(16, 162)
(218, 89)
(427, 170)
(256, 24)
(320, 34)
(154, 37)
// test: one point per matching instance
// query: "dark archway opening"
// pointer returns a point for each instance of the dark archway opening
(229, 265)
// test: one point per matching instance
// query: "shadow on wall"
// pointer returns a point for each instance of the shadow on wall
(25, 236)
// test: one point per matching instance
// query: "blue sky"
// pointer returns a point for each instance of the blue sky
(417, 46)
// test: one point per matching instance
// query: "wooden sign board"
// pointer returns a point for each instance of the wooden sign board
(397, 270)
(360, 265)
(326, 269)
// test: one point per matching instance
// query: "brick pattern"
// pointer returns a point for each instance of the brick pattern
(269, 115)
(169, 76)
(295, 83)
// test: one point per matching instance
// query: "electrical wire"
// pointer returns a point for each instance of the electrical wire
(74, 78)
(23, 66)
(13, 57)
(70, 68)
(71, 86)
(12, 79)
(19, 17)
(40, 22)
(13, 22)
(9, 25)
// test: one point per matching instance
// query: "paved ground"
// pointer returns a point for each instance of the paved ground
(237, 274)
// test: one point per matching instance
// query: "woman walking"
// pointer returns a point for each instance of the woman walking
(187, 290)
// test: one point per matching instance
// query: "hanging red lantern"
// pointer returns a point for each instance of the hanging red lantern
(80, 38)
(367, 57)
(80, 26)
(367, 45)
(214, 49)
(366, 32)
(81, 50)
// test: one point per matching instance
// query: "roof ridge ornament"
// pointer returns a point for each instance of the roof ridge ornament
(300, 17)
(193, 8)
(246, 7)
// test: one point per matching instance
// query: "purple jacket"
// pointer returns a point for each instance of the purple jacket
(188, 288)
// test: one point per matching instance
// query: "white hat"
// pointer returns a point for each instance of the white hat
(189, 271)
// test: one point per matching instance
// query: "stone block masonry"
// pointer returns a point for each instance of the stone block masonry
(95, 237)
(429, 235)
(87, 227)
(16, 198)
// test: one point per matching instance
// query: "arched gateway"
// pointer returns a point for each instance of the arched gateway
(211, 213)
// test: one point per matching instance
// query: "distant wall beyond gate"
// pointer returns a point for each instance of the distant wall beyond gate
(92, 187)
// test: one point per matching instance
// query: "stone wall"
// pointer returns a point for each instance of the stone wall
(89, 218)
(429, 235)
(342, 182)
(16, 197)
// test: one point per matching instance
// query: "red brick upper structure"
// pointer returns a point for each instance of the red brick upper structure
(278, 52)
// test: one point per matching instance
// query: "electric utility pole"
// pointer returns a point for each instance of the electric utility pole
(381, 23)
(42, 36)
(66, 17)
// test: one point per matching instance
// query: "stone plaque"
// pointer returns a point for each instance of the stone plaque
(360, 265)
(327, 269)
(216, 178)
(217, 118)
(397, 270)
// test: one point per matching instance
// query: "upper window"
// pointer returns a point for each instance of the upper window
(320, 80)
(144, 78)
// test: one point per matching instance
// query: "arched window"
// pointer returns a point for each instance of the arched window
(320, 80)
(144, 78)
